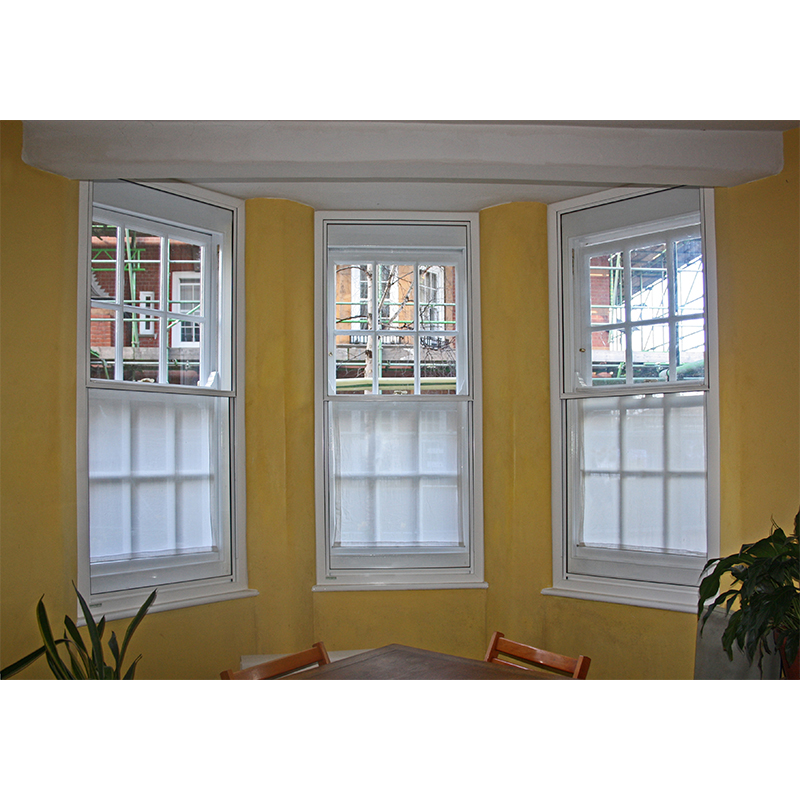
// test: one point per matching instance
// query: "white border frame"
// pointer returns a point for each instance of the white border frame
(452, 578)
(613, 590)
(123, 604)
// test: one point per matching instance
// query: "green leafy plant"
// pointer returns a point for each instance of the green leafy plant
(766, 584)
(82, 663)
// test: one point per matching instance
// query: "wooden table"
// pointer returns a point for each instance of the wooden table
(396, 662)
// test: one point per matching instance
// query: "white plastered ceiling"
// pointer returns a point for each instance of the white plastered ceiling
(407, 165)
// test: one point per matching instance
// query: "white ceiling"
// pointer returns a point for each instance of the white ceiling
(411, 165)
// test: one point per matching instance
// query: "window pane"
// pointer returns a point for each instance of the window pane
(686, 434)
(437, 364)
(607, 289)
(649, 283)
(602, 431)
(690, 282)
(354, 364)
(642, 437)
(185, 257)
(353, 295)
(608, 366)
(183, 358)
(650, 344)
(187, 299)
(437, 295)
(396, 297)
(139, 364)
(396, 359)
(686, 501)
(439, 511)
(104, 262)
(691, 350)
(101, 345)
(643, 513)
(141, 264)
(601, 511)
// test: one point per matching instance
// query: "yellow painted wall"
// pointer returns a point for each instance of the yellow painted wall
(38, 274)
(758, 244)
(759, 272)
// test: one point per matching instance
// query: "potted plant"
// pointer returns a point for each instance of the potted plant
(82, 663)
(766, 584)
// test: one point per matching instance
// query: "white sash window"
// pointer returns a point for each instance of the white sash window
(634, 400)
(158, 409)
(398, 467)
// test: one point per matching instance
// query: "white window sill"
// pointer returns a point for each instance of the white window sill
(631, 593)
(382, 587)
(168, 598)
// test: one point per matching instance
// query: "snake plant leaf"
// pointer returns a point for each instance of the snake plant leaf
(85, 660)
(132, 669)
(59, 668)
(82, 664)
(18, 666)
(134, 624)
(94, 635)
(114, 648)
(75, 662)
(74, 634)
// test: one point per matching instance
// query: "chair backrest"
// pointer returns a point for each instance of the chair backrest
(280, 666)
(574, 667)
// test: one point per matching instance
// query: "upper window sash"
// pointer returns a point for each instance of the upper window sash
(625, 287)
(159, 315)
(386, 299)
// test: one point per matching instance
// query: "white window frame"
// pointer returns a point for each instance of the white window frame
(637, 587)
(436, 572)
(158, 208)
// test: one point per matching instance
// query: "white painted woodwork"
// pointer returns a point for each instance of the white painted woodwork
(407, 165)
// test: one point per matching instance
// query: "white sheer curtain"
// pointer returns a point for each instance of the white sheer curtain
(398, 474)
(156, 469)
(642, 480)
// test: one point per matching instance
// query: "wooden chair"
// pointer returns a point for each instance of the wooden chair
(280, 666)
(574, 667)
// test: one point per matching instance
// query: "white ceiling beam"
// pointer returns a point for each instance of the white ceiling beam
(440, 152)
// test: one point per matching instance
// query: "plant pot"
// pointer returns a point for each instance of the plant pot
(790, 671)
